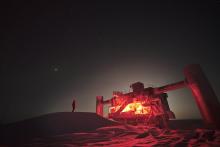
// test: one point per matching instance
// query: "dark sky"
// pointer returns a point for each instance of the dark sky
(54, 51)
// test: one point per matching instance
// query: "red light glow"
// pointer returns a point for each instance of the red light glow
(136, 108)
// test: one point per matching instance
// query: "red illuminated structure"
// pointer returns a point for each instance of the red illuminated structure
(150, 105)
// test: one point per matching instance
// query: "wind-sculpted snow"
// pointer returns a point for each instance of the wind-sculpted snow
(67, 129)
(138, 136)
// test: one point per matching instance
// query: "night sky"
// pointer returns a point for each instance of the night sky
(52, 52)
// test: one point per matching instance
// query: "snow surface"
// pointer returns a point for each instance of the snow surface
(67, 129)
(129, 136)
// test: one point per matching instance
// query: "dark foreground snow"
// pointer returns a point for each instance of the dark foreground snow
(127, 136)
(87, 129)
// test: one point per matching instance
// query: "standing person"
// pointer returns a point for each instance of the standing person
(73, 105)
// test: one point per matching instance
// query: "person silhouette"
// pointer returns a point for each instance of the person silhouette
(73, 105)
